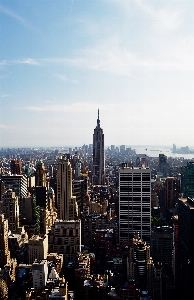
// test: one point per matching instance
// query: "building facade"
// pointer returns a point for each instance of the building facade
(10, 207)
(66, 204)
(185, 248)
(187, 180)
(65, 238)
(134, 203)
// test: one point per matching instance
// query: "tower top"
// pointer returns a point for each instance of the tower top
(98, 120)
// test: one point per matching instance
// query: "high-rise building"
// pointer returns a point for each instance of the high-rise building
(162, 245)
(66, 203)
(134, 203)
(172, 189)
(16, 167)
(39, 273)
(187, 180)
(163, 164)
(18, 184)
(37, 248)
(4, 250)
(9, 206)
(65, 238)
(185, 248)
(98, 154)
(140, 264)
(40, 174)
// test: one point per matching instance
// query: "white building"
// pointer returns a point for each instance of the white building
(134, 203)
(39, 273)
(37, 248)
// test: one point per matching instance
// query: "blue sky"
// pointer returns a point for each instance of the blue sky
(62, 60)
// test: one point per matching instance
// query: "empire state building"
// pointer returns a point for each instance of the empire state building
(98, 154)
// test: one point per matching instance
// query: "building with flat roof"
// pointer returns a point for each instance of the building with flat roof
(65, 238)
(37, 248)
(134, 203)
(39, 273)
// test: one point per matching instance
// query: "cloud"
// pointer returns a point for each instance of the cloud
(80, 107)
(28, 61)
(3, 63)
(167, 19)
(14, 16)
(3, 126)
(61, 77)
(4, 96)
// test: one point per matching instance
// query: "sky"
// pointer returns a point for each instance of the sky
(61, 60)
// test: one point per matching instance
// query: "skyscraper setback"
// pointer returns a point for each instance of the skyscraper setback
(98, 154)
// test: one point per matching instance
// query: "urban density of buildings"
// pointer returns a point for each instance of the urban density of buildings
(96, 222)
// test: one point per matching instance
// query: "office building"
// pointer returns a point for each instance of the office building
(65, 238)
(18, 184)
(140, 264)
(18, 245)
(98, 155)
(134, 203)
(37, 248)
(40, 174)
(16, 167)
(185, 268)
(163, 165)
(39, 273)
(162, 245)
(66, 203)
(172, 190)
(10, 208)
(4, 250)
(187, 180)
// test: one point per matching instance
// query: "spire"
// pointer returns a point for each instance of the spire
(98, 120)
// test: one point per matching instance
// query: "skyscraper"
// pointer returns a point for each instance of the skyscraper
(134, 203)
(185, 268)
(4, 251)
(16, 167)
(172, 190)
(163, 164)
(66, 203)
(98, 154)
(40, 174)
(10, 208)
(187, 180)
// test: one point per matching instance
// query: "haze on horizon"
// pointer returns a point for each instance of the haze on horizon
(61, 61)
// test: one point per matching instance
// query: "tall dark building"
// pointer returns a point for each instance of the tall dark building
(163, 164)
(187, 180)
(172, 190)
(98, 154)
(16, 167)
(40, 174)
(185, 248)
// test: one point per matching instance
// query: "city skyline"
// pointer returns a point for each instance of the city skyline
(131, 59)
